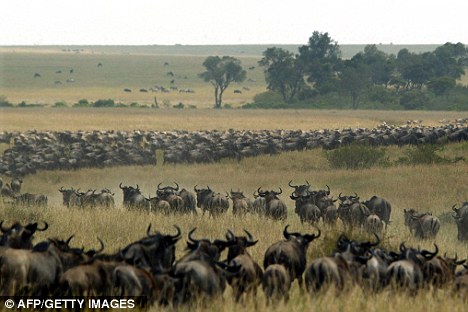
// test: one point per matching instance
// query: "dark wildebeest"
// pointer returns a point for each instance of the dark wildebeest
(18, 236)
(407, 272)
(421, 225)
(306, 209)
(291, 253)
(259, 204)
(16, 185)
(189, 201)
(381, 207)
(197, 274)
(210, 201)
(439, 271)
(132, 198)
(241, 205)
(249, 276)
(31, 200)
(169, 194)
(70, 197)
(276, 283)
(351, 211)
(275, 208)
(461, 219)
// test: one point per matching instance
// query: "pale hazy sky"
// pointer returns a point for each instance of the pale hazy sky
(136, 22)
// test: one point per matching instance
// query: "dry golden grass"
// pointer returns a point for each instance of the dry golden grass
(196, 119)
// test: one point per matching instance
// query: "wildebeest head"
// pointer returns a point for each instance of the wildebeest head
(203, 195)
(129, 191)
(204, 248)
(348, 200)
(19, 236)
(300, 190)
(67, 194)
(164, 192)
(269, 195)
(242, 242)
(301, 239)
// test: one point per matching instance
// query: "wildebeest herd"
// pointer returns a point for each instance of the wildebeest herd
(148, 267)
(311, 206)
(53, 150)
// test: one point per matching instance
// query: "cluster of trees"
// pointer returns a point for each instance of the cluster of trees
(318, 71)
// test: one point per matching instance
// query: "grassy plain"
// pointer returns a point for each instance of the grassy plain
(432, 188)
(133, 67)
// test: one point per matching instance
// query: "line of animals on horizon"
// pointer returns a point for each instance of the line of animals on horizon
(148, 267)
(311, 206)
(34, 150)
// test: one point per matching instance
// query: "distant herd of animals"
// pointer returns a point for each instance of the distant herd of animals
(311, 206)
(148, 267)
(155, 88)
(33, 150)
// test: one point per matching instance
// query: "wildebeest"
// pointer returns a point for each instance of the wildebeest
(169, 194)
(407, 271)
(291, 253)
(70, 197)
(259, 204)
(461, 219)
(30, 200)
(421, 225)
(326, 271)
(132, 197)
(189, 201)
(247, 279)
(210, 201)
(306, 209)
(127, 90)
(351, 211)
(16, 185)
(381, 207)
(373, 224)
(274, 207)
(276, 283)
(18, 236)
(240, 204)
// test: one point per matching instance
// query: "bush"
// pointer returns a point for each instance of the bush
(4, 102)
(179, 106)
(357, 156)
(60, 104)
(423, 154)
(104, 103)
(82, 103)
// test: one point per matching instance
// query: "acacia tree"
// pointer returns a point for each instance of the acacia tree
(220, 72)
(282, 72)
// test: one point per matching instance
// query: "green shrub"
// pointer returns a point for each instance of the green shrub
(82, 103)
(104, 103)
(357, 156)
(60, 104)
(179, 106)
(4, 102)
(413, 99)
(423, 154)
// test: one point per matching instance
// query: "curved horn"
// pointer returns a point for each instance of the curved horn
(61, 190)
(328, 192)
(148, 230)
(190, 236)
(230, 236)
(341, 197)
(138, 188)
(102, 246)
(260, 193)
(280, 192)
(294, 197)
(195, 189)
(159, 186)
(46, 226)
(429, 255)
(286, 233)
(355, 195)
(178, 233)
(69, 239)
(120, 185)
(308, 184)
(249, 236)
(177, 186)
(454, 208)
(293, 186)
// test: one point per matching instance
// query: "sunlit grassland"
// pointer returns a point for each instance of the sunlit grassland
(433, 188)
(196, 119)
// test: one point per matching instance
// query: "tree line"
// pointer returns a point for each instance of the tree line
(317, 76)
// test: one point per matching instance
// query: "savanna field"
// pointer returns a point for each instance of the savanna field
(431, 188)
